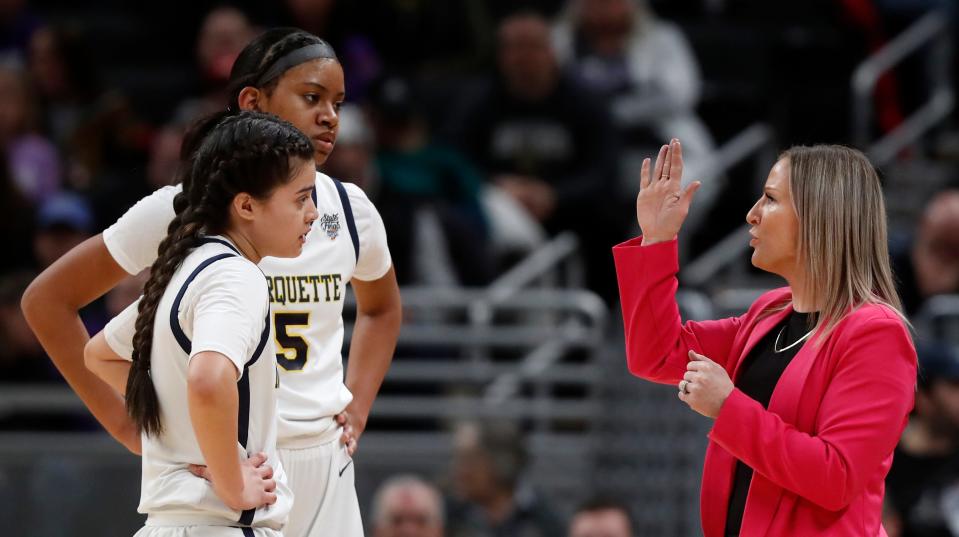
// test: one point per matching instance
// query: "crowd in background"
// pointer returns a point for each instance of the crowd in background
(480, 129)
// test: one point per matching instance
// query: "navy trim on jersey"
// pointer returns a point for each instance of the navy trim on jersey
(246, 518)
(243, 385)
(348, 213)
(208, 240)
(243, 416)
(248, 532)
(178, 333)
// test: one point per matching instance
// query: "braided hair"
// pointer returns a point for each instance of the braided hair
(245, 152)
(257, 57)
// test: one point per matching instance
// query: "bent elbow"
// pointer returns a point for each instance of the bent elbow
(89, 356)
(635, 367)
(94, 355)
(644, 368)
(202, 389)
(31, 300)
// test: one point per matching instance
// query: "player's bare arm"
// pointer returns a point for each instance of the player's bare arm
(106, 364)
(214, 408)
(51, 306)
(379, 313)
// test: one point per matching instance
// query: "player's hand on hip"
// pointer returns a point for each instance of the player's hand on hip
(259, 487)
(705, 386)
(662, 203)
(351, 431)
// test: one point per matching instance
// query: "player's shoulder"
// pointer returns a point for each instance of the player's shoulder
(166, 193)
(222, 265)
(359, 201)
(233, 276)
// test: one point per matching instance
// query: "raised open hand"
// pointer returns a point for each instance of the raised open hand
(662, 203)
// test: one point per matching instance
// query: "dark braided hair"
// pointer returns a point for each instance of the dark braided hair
(257, 57)
(245, 152)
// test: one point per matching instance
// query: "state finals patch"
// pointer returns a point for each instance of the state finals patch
(331, 225)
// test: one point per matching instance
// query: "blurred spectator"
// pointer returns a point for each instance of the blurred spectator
(547, 141)
(426, 38)
(164, 156)
(429, 195)
(928, 263)
(922, 488)
(17, 25)
(16, 224)
(338, 23)
(21, 357)
(33, 160)
(95, 128)
(601, 517)
(120, 190)
(22, 360)
(407, 506)
(490, 499)
(63, 222)
(353, 159)
(223, 34)
(314, 16)
(645, 68)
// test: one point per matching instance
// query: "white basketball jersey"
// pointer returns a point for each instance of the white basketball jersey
(216, 301)
(306, 295)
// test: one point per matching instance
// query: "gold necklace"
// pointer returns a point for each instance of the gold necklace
(793, 344)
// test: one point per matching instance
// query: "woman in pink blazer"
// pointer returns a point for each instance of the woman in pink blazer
(810, 389)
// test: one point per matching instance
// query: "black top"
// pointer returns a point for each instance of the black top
(757, 379)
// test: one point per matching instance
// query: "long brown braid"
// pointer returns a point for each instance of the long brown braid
(244, 152)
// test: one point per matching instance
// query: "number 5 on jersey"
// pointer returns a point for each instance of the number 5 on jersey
(291, 349)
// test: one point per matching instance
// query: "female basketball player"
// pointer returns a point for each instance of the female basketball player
(294, 75)
(201, 386)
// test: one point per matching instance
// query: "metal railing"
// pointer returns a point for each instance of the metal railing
(730, 252)
(930, 30)
(539, 326)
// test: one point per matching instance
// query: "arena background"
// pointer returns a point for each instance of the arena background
(511, 321)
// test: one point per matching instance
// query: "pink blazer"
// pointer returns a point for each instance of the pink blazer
(821, 451)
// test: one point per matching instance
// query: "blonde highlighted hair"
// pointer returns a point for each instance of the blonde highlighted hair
(843, 246)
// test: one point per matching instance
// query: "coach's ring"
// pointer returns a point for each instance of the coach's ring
(682, 386)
